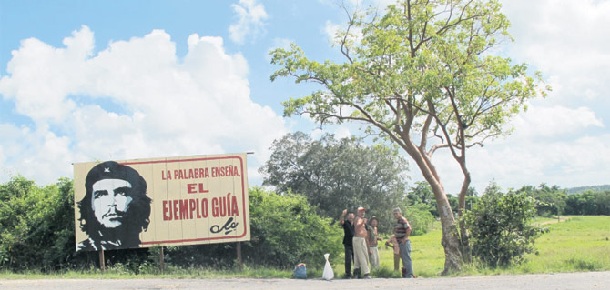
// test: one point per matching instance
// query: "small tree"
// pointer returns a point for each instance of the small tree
(500, 227)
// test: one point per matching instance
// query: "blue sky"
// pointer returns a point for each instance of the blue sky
(98, 80)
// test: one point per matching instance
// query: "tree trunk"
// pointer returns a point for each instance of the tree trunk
(450, 235)
(464, 237)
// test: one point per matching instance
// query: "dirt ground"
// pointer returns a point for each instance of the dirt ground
(587, 280)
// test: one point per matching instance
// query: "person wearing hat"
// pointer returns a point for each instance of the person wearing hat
(115, 208)
(360, 244)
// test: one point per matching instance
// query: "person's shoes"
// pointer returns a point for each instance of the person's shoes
(357, 273)
(366, 276)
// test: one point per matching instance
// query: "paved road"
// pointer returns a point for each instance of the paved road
(588, 280)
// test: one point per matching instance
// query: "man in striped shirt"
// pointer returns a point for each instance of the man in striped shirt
(402, 231)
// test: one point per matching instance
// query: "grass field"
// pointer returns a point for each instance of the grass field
(573, 244)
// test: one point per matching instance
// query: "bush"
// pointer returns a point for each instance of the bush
(36, 225)
(286, 231)
(500, 228)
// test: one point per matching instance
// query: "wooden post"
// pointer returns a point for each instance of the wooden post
(102, 260)
(240, 262)
(161, 260)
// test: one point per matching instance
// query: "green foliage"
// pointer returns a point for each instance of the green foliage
(588, 203)
(500, 227)
(417, 67)
(421, 195)
(36, 225)
(286, 231)
(338, 174)
(550, 200)
(420, 218)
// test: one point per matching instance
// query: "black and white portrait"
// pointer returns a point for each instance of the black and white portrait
(115, 209)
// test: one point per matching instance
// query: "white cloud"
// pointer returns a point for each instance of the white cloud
(251, 20)
(567, 40)
(134, 99)
(555, 121)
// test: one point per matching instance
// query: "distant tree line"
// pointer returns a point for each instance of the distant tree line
(549, 200)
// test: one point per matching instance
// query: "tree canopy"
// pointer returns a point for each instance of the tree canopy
(425, 75)
(336, 174)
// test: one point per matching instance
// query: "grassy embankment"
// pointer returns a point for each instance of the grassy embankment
(574, 244)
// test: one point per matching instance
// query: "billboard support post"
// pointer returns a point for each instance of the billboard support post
(161, 260)
(240, 262)
(102, 260)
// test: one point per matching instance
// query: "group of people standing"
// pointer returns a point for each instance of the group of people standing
(361, 238)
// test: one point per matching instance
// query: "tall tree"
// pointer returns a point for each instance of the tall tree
(337, 174)
(423, 75)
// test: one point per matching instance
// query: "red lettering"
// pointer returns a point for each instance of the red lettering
(196, 188)
(225, 171)
(215, 206)
(204, 207)
(190, 188)
(184, 209)
(225, 206)
(176, 209)
(192, 207)
(234, 207)
(166, 211)
(165, 177)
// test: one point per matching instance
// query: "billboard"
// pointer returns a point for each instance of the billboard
(169, 201)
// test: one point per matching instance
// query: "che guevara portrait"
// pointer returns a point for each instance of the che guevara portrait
(115, 209)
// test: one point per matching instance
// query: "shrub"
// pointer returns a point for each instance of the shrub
(36, 225)
(286, 231)
(500, 228)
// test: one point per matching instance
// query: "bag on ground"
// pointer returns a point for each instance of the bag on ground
(328, 273)
(300, 271)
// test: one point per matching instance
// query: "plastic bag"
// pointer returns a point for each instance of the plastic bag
(328, 273)
(300, 271)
